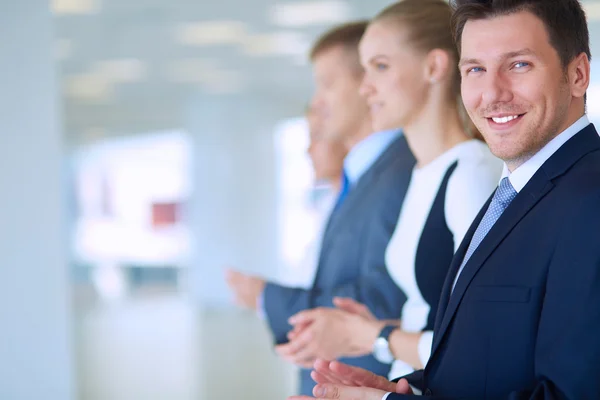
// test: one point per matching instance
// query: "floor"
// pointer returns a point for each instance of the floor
(158, 346)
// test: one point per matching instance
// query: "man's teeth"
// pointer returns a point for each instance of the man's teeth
(504, 120)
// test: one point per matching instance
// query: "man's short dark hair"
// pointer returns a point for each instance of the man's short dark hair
(564, 20)
(346, 36)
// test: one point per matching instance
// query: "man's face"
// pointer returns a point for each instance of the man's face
(513, 85)
(326, 153)
(337, 82)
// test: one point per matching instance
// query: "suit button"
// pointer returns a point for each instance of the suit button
(428, 392)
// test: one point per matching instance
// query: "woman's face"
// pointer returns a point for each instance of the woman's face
(395, 82)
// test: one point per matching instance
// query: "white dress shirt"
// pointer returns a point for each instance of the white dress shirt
(302, 273)
(364, 153)
(520, 176)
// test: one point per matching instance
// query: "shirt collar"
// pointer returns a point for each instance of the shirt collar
(519, 177)
(363, 154)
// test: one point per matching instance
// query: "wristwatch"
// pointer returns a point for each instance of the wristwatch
(381, 347)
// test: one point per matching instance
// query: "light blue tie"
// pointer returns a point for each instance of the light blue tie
(502, 198)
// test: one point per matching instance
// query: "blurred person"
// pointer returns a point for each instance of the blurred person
(326, 154)
(376, 174)
(411, 80)
(520, 308)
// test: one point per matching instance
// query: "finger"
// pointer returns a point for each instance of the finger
(306, 354)
(293, 334)
(321, 364)
(346, 302)
(323, 368)
(301, 342)
(341, 392)
(324, 377)
(354, 307)
(362, 377)
(319, 377)
(284, 350)
(307, 364)
(289, 351)
(303, 317)
(402, 387)
(297, 330)
(349, 303)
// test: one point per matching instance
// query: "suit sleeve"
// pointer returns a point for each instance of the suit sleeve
(567, 349)
(363, 253)
(375, 289)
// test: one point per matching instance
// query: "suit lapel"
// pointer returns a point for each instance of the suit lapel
(357, 194)
(519, 207)
(454, 266)
(538, 187)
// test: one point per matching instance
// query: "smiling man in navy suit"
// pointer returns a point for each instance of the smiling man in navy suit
(519, 316)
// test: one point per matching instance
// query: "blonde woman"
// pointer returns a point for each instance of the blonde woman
(411, 80)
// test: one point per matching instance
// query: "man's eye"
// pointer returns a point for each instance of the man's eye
(474, 69)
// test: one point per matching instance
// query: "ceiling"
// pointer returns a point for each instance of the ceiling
(130, 66)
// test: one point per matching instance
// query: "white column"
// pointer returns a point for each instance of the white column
(233, 210)
(35, 318)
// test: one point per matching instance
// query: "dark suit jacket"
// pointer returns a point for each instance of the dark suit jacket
(352, 259)
(524, 319)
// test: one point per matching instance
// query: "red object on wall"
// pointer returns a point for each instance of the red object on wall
(165, 214)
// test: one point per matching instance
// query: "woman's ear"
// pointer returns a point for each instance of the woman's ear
(437, 65)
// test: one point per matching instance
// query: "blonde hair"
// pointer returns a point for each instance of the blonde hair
(429, 27)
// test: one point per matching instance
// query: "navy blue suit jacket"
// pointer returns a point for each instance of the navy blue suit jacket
(352, 258)
(524, 319)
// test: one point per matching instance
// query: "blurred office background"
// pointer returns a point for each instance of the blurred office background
(144, 145)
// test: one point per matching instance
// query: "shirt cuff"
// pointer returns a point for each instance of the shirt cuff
(260, 306)
(424, 347)
(416, 392)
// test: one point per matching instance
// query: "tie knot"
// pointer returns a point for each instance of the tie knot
(505, 192)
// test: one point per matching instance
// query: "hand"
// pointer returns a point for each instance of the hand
(328, 333)
(342, 392)
(292, 358)
(335, 372)
(352, 306)
(336, 380)
(246, 289)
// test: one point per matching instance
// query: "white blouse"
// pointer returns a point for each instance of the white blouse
(470, 184)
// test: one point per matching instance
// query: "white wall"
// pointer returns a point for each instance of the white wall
(35, 337)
